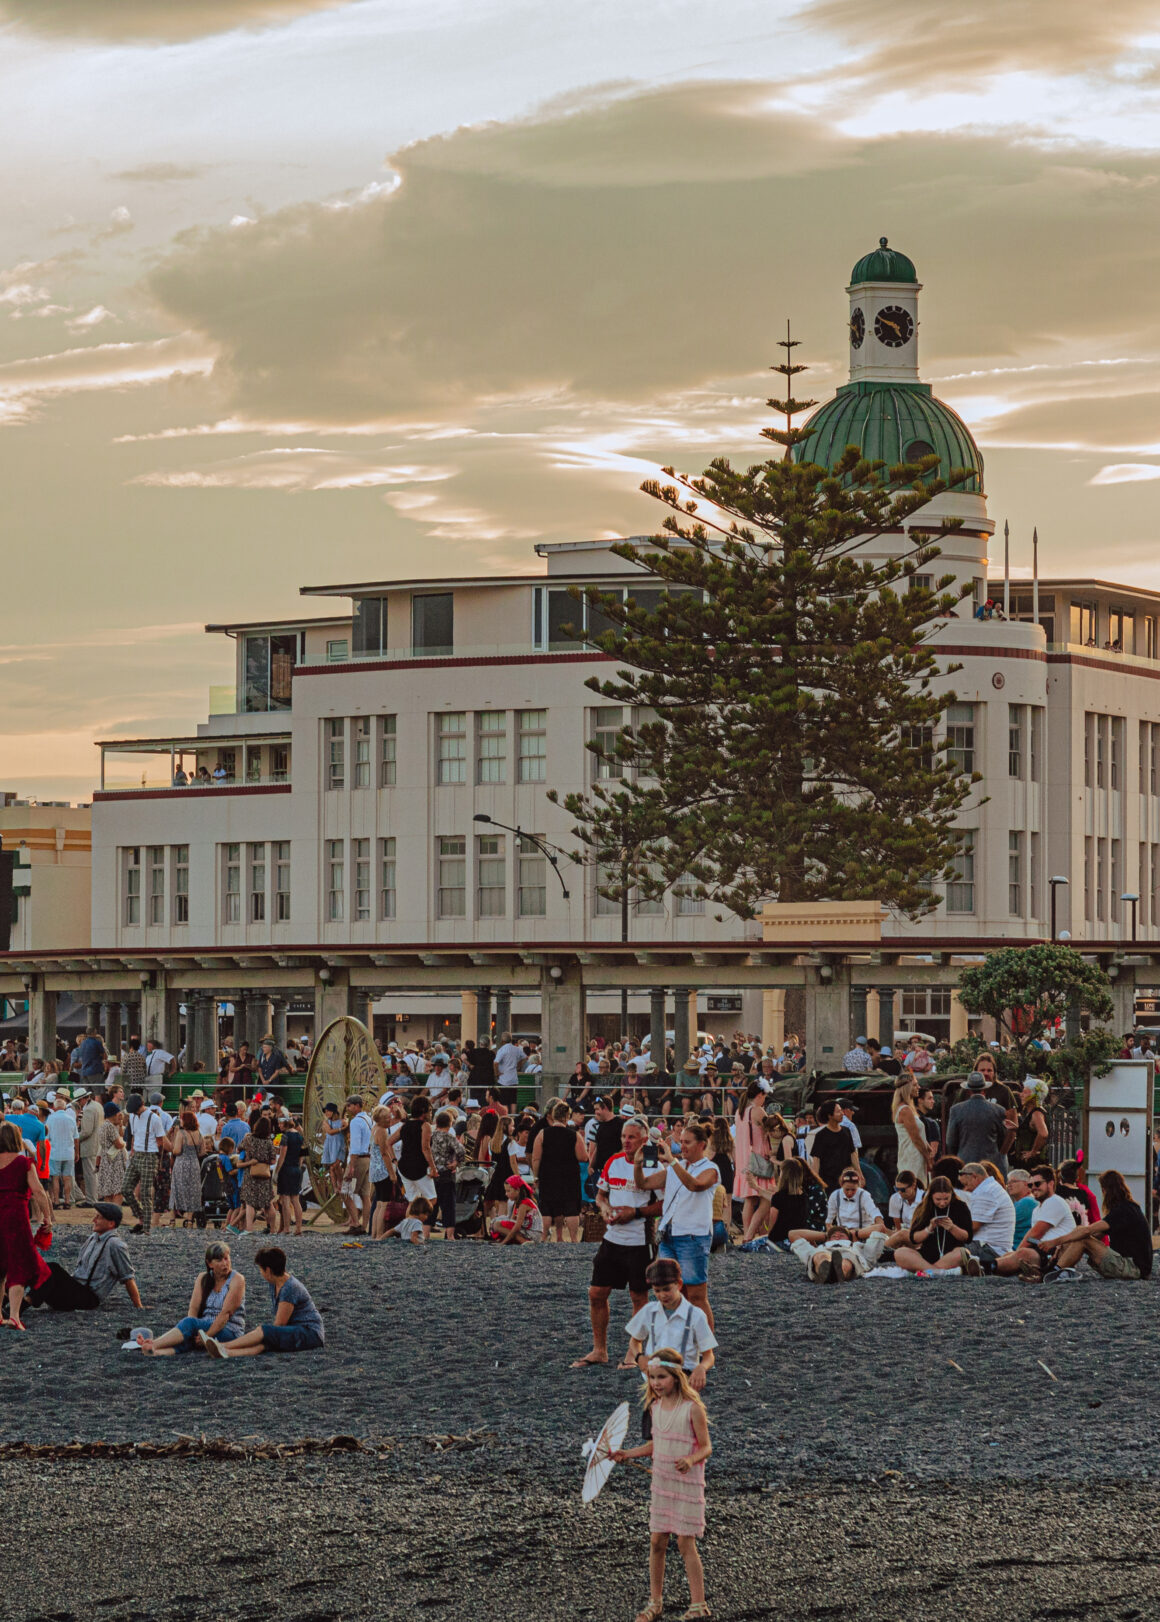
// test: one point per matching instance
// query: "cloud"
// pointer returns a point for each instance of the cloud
(144, 21)
(295, 469)
(95, 317)
(98, 367)
(120, 221)
(1126, 473)
(161, 173)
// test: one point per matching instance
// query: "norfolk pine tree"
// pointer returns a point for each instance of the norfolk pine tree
(781, 691)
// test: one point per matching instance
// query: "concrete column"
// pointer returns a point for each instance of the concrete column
(467, 1014)
(886, 1015)
(562, 1027)
(483, 1014)
(278, 1007)
(858, 1025)
(241, 1014)
(41, 1021)
(93, 1016)
(133, 1021)
(201, 1033)
(827, 1016)
(681, 1035)
(332, 999)
(113, 1029)
(694, 1016)
(160, 1015)
(1124, 1001)
(503, 1012)
(958, 1018)
(657, 1027)
(257, 1021)
(773, 1018)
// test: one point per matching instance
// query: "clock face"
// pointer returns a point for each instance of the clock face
(857, 329)
(893, 326)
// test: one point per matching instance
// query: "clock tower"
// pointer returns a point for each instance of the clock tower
(883, 292)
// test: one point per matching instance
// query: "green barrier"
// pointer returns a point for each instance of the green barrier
(179, 1086)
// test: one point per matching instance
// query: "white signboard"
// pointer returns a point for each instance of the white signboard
(1119, 1126)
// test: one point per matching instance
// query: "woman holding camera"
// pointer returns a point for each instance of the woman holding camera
(557, 1155)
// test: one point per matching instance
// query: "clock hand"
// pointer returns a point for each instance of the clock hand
(893, 325)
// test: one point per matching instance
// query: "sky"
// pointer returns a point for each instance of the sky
(295, 291)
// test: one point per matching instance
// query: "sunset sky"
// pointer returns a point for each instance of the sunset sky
(296, 292)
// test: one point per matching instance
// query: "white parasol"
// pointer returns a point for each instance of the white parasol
(599, 1452)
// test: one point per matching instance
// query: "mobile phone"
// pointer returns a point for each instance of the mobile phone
(650, 1157)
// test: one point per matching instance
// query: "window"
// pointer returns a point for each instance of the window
(451, 855)
(607, 722)
(337, 650)
(1089, 732)
(387, 877)
(1036, 761)
(1147, 644)
(533, 746)
(156, 884)
(361, 856)
(1117, 882)
(335, 882)
(388, 740)
(491, 746)
(1154, 887)
(1033, 878)
(688, 905)
(565, 621)
(605, 906)
(253, 765)
(1153, 778)
(650, 906)
(921, 740)
(257, 906)
(1116, 726)
(961, 739)
(432, 623)
(228, 761)
(279, 763)
(1014, 740)
(1101, 751)
(1142, 759)
(1083, 624)
(961, 889)
(281, 855)
(181, 884)
(231, 884)
(1089, 877)
(1101, 878)
(369, 628)
(131, 886)
(1122, 630)
(531, 875)
(921, 582)
(361, 750)
(1015, 874)
(491, 876)
(268, 665)
(335, 753)
(451, 766)
(597, 621)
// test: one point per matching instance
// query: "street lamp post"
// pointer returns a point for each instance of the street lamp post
(541, 845)
(1055, 881)
(1130, 895)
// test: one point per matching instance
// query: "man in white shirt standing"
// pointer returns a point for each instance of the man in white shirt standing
(62, 1141)
(148, 1126)
(358, 1167)
(157, 1059)
(507, 1065)
(623, 1257)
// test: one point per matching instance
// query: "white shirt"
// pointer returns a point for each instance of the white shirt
(1054, 1210)
(686, 1330)
(852, 1211)
(507, 1064)
(853, 1131)
(686, 1210)
(62, 1133)
(147, 1127)
(207, 1125)
(618, 1181)
(993, 1215)
(903, 1210)
(156, 1061)
(438, 1081)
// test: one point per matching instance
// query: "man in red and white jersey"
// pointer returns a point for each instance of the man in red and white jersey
(624, 1254)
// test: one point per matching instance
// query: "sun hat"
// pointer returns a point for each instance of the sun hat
(976, 1083)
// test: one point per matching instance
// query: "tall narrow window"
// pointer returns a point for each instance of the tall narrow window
(1116, 878)
(604, 906)
(607, 722)
(1089, 878)
(361, 750)
(257, 884)
(281, 854)
(533, 744)
(1014, 740)
(491, 746)
(1142, 759)
(649, 906)
(388, 746)
(1036, 761)
(921, 740)
(361, 856)
(961, 889)
(1153, 775)
(254, 765)
(1089, 748)
(451, 855)
(368, 636)
(1015, 874)
(1142, 882)
(156, 884)
(1116, 728)
(1101, 751)
(451, 764)
(433, 623)
(335, 752)
(1154, 886)
(531, 880)
(1101, 878)
(1033, 859)
(279, 763)
(961, 736)
(688, 904)
(491, 876)
(181, 884)
(231, 884)
(131, 886)
(1148, 636)
(335, 882)
(387, 878)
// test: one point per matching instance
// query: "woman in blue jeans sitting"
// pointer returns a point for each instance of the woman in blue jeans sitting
(297, 1325)
(216, 1307)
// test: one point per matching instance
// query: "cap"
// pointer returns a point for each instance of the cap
(156, 1098)
(860, 1041)
(976, 1082)
(266, 1042)
(111, 1213)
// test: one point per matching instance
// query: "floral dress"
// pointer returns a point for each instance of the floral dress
(257, 1191)
(114, 1161)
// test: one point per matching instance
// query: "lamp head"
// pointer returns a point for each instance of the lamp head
(481, 816)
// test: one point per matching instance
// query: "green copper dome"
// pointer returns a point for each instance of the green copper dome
(883, 265)
(891, 423)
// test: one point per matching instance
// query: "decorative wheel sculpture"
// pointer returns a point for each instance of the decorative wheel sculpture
(345, 1061)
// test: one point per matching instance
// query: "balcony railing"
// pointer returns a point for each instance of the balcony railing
(196, 785)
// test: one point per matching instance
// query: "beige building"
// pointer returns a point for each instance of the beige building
(51, 878)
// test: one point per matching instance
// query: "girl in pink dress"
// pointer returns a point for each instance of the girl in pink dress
(679, 1447)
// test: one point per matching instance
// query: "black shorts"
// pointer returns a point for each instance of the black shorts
(620, 1267)
(560, 1203)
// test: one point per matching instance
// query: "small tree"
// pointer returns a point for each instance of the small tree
(1026, 988)
(781, 741)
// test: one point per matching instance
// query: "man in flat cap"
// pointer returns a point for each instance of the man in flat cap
(103, 1263)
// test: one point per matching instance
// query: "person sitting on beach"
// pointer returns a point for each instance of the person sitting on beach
(523, 1221)
(297, 1325)
(415, 1228)
(671, 1320)
(1126, 1253)
(850, 1206)
(942, 1224)
(103, 1263)
(1053, 1220)
(838, 1256)
(216, 1308)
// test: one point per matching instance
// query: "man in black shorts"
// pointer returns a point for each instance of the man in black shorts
(623, 1256)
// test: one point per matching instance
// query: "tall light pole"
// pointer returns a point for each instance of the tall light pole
(1055, 881)
(1130, 895)
(541, 845)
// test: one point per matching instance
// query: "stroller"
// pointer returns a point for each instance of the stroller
(215, 1192)
(470, 1183)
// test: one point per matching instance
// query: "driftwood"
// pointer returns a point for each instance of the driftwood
(242, 1447)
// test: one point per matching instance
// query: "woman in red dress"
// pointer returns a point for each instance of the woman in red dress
(22, 1267)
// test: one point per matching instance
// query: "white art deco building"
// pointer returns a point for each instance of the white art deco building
(363, 743)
